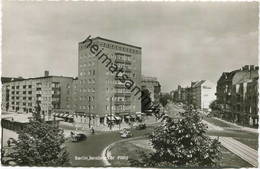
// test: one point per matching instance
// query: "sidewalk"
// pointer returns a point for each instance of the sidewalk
(253, 130)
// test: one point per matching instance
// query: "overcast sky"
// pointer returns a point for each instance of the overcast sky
(180, 42)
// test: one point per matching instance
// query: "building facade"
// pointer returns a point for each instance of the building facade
(101, 93)
(52, 92)
(244, 96)
(223, 93)
(203, 94)
(154, 87)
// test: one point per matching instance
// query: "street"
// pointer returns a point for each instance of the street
(94, 145)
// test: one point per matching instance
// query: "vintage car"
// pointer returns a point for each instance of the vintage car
(78, 137)
(126, 134)
(140, 126)
(124, 130)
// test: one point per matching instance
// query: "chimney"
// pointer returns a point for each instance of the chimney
(46, 73)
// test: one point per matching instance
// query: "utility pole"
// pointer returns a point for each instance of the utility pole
(110, 111)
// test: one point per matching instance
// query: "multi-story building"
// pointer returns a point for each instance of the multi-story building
(100, 91)
(244, 96)
(182, 94)
(203, 93)
(52, 92)
(223, 93)
(154, 87)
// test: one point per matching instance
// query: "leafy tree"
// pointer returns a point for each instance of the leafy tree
(181, 143)
(145, 100)
(164, 99)
(214, 105)
(40, 144)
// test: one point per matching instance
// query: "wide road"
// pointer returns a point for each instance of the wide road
(94, 145)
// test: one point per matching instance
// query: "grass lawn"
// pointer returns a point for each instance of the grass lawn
(231, 160)
(130, 150)
(253, 143)
(219, 123)
(126, 149)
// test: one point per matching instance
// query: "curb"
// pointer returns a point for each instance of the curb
(107, 149)
(253, 130)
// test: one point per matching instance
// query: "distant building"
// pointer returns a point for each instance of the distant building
(203, 94)
(154, 87)
(52, 92)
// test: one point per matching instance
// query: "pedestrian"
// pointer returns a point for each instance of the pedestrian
(71, 134)
(8, 142)
(92, 130)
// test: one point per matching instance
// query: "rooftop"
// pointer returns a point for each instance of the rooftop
(108, 40)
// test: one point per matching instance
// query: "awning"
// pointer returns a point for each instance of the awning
(57, 115)
(139, 115)
(117, 118)
(70, 116)
(132, 116)
(110, 117)
(63, 115)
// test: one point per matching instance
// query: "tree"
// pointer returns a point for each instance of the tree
(181, 143)
(145, 100)
(214, 105)
(40, 144)
(164, 98)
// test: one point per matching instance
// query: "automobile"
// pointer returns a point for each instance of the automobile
(126, 134)
(124, 130)
(78, 137)
(141, 126)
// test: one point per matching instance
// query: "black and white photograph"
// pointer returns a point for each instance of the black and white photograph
(140, 84)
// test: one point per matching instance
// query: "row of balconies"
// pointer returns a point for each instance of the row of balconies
(126, 94)
(122, 61)
(122, 102)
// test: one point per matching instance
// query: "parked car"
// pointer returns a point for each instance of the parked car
(124, 130)
(141, 126)
(126, 134)
(78, 137)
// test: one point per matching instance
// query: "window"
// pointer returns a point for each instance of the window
(30, 86)
(24, 86)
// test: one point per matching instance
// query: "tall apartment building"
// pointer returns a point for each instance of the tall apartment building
(203, 93)
(100, 92)
(52, 92)
(154, 87)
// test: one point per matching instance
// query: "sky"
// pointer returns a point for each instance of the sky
(181, 41)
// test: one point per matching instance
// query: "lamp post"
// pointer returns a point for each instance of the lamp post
(110, 111)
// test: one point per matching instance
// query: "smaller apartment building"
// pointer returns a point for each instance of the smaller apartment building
(52, 92)
(203, 93)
